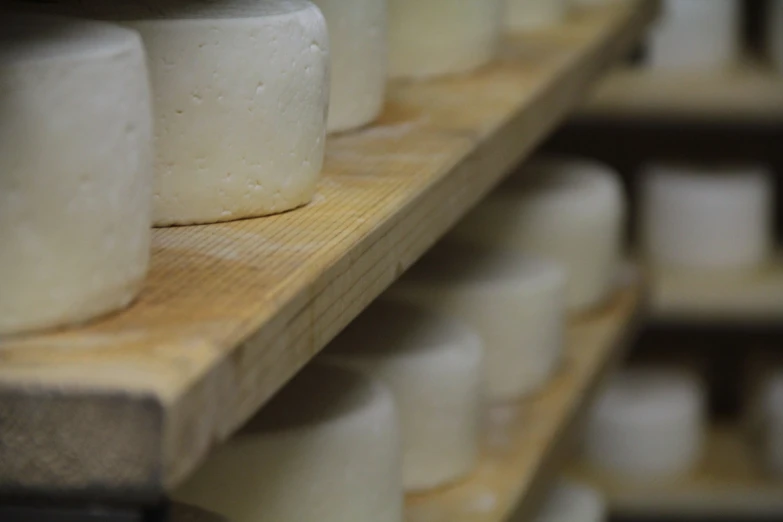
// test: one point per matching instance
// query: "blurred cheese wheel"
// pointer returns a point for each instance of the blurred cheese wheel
(515, 303)
(325, 449)
(647, 424)
(572, 502)
(531, 14)
(434, 366)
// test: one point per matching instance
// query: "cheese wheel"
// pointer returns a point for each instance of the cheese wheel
(702, 217)
(75, 170)
(532, 14)
(770, 411)
(440, 37)
(696, 35)
(647, 424)
(433, 365)
(774, 34)
(513, 302)
(184, 513)
(241, 98)
(571, 212)
(359, 47)
(326, 449)
(572, 502)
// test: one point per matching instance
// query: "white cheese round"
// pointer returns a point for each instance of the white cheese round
(572, 502)
(434, 367)
(696, 35)
(440, 37)
(325, 449)
(516, 305)
(770, 413)
(570, 212)
(75, 171)
(532, 14)
(358, 45)
(703, 217)
(241, 93)
(647, 424)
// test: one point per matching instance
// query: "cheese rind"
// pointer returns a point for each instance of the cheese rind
(707, 217)
(531, 14)
(694, 35)
(241, 92)
(440, 37)
(325, 449)
(572, 502)
(358, 45)
(434, 367)
(514, 303)
(75, 171)
(568, 211)
(647, 424)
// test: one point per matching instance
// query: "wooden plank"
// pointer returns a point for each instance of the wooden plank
(750, 92)
(132, 403)
(728, 483)
(526, 443)
(755, 297)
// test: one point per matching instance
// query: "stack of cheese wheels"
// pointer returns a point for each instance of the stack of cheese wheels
(647, 424)
(702, 217)
(434, 367)
(570, 212)
(770, 417)
(75, 170)
(696, 35)
(241, 100)
(572, 502)
(531, 14)
(774, 34)
(326, 449)
(185, 513)
(515, 304)
(358, 48)
(439, 37)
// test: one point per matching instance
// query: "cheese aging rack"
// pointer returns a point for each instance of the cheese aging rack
(123, 409)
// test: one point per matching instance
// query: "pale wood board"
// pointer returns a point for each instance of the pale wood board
(701, 297)
(746, 92)
(132, 403)
(729, 482)
(526, 443)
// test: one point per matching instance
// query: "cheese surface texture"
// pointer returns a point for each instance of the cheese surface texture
(647, 424)
(567, 211)
(514, 303)
(440, 37)
(693, 35)
(358, 46)
(325, 449)
(707, 217)
(434, 367)
(75, 171)
(572, 502)
(531, 14)
(241, 93)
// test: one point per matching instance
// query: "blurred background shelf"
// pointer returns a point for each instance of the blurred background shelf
(729, 483)
(131, 404)
(527, 443)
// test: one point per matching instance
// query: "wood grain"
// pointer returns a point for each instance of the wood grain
(703, 297)
(133, 402)
(527, 443)
(747, 92)
(727, 483)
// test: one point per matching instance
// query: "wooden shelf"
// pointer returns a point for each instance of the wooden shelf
(131, 404)
(711, 298)
(526, 444)
(728, 483)
(748, 92)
